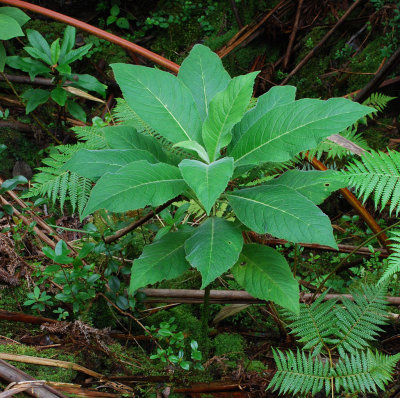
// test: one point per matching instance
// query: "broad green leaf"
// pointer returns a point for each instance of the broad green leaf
(67, 43)
(276, 96)
(163, 259)
(194, 146)
(127, 137)
(314, 185)
(2, 56)
(289, 129)
(12, 183)
(87, 82)
(64, 69)
(37, 54)
(122, 23)
(208, 181)
(282, 212)
(55, 51)
(95, 163)
(266, 275)
(78, 53)
(136, 185)
(34, 98)
(15, 13)
(9, 28)
(26, 64)
(161, 100)
(214, 248)
(39, 42)
(203, 73)
(226, 109)
(76, 110)
(59, 95)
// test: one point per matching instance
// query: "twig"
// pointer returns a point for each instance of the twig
(136, 224)
(246, 32)
(292, 35)
(34, 117)
(322, 42)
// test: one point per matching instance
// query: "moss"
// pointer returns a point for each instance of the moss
(255, 366)
(230, 346)
(184, 320)
(38, 371)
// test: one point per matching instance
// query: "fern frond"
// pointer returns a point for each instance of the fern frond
(314, 325)
(378, 101)
(363, 372)
(394, 258)
(379, 173)
(60, 184)
(358, 321)
(300, 374)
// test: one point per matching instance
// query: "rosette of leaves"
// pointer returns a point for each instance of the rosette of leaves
(54, 60)
(204, 112)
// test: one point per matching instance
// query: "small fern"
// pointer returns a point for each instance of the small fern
(394, 258)
(378, 101)
(326, 327)
(378, 173)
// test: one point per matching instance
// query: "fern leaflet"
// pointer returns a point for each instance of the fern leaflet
(394, 258)
(379, 173)
(315, 325)
(358, 321)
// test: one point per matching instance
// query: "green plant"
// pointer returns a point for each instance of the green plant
(11, 20)
(78, 280)
(4, 115)
(54, 61)
(202, 114)
(38, 300)
(121, 22)
(171, 347)
(346, 328)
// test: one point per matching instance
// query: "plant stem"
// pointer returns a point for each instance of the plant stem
(204, 320)
(350, 254)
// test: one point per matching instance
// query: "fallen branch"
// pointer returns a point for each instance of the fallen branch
(222, 296)
(65, 365)
(379, 77)
(246, 32)
(305, 60)
(292, 35)
(357, 205)
(11, 374)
